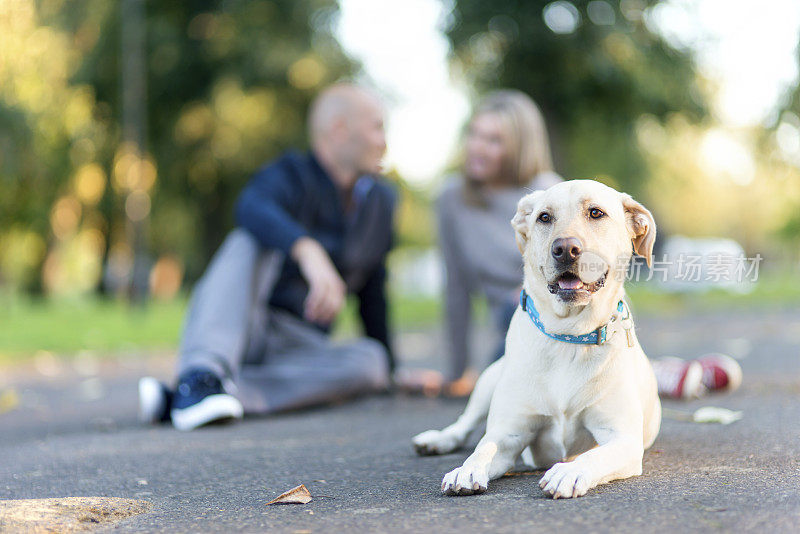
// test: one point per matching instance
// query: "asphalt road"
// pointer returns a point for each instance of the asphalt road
(74, 433)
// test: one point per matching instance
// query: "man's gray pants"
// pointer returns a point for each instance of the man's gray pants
(268, 358)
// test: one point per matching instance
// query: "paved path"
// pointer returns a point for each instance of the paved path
(75, 434)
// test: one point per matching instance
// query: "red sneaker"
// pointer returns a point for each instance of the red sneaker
(679, 379)
(720, 372)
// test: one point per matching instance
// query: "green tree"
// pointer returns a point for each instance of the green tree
(227, 86)
(594, 67)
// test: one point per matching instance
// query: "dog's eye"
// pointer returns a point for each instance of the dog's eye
(544, 217)
(596, 213)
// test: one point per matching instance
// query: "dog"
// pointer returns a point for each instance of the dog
(574, 393)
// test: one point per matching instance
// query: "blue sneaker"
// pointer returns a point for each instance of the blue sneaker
(199, 399)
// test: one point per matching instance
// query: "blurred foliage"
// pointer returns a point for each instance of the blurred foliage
(228, 83)
(227, 87)
(787, 138)
(592, 80)
(414, 224)
(711, 181)
(625, 107)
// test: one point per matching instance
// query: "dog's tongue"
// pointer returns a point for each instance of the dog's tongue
(570, 283)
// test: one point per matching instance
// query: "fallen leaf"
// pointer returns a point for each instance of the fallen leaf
(298, 495)
(712, 414)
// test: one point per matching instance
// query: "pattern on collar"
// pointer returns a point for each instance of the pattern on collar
(595, 337)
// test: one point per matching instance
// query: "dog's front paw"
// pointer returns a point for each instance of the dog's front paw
(465, 481)
(435, 442)
(565, 481)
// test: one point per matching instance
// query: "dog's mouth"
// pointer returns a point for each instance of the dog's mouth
(568, 285)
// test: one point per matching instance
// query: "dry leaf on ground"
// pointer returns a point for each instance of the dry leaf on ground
(712, 414)
(298, 495)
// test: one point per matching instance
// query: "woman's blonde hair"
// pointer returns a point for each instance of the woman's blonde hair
(528, 150)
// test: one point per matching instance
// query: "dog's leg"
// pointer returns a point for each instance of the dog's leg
(493, 457)
(455, 435)
(527, 457)
(548, 447)
(618, 455)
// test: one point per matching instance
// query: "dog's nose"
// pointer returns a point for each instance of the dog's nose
(566, 249)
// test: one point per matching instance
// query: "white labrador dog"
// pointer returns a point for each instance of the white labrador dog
(585, 409)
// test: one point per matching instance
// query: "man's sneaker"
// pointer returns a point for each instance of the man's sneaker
(154, 401)
(199, 399)
(720, 372)
(679, 379)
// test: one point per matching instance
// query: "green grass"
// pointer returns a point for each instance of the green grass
(109, 326)
(68, 326)
(405, 313)
(773, 290)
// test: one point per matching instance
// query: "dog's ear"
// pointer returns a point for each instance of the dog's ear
(522, 219)
(641, 227)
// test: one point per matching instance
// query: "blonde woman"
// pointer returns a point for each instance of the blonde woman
(506, 155)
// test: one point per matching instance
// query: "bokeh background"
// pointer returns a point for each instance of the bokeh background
(128, 128)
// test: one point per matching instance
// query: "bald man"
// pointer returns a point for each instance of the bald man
(312, 228)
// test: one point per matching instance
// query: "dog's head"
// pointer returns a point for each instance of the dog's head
(576, 239)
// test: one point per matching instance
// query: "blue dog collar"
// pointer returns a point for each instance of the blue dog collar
(595, 337)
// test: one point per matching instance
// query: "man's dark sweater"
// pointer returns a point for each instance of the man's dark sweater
(294, 197)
